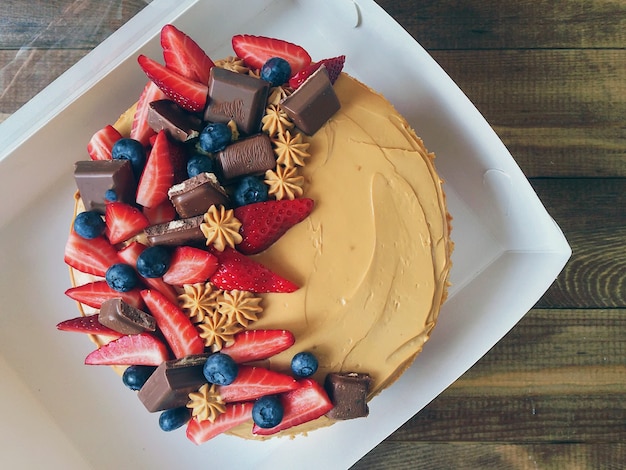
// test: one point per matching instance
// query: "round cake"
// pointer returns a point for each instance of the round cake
(368, 263)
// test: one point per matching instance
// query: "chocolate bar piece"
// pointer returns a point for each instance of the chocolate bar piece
(313, 103)
(179, 124)
(176, 232)
(348, 393)
(95, 177)
(238, 97)
(251, 156)
(123, 318)
(171, 383)
(195, 195)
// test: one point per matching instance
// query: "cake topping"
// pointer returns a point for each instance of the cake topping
(348, 391)
(284, 183)
(221, 228)
(278, 93)
(275, 121)
(240, 306)
(95, 177)
(119, 316)
(291, 150)
(218, 330)
(179, 124)
(251, 156)
(206, 403)
(234, 64)
(199, 300)
(195, 195)
(176, 232)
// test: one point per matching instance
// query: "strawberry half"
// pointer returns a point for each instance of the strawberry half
(236, 271)
(140, 130)
(255, 50)
(175, 325)
(190, 265)
(199, 432)
(88, 324)
(162, 213)
(307, 402)
(256, 345)
(262, 223)
(184, 56)
(123, 221)
(158, 175)
(255, 382)
(334, 66)
(92, 256)
(95, 293)
(142, 349)
(101, 143)
(188, 94)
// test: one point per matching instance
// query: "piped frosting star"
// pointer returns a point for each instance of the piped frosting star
(284, 183)
(221, 228)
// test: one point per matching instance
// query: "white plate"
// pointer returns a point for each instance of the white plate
(508, 249)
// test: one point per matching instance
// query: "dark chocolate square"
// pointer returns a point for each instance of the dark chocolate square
(95, 177)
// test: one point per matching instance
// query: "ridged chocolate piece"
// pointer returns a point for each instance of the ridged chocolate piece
(176, 232)
(251, 156)
(179, 124)
(195, 195)
(123, 318)
(348, 393)
(95, 177)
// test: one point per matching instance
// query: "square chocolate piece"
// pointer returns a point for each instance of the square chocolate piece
(348, 392)
(180, 124)
(177, 232)
(251, 156)
(195, 195)
(95, 177)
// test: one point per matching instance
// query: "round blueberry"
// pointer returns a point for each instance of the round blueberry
(267, 411)
(304, 364)
(154, 261)
(250, 189)
(220, 369)
(135, 376)
(214, 137)
(110, 195)
(199, 163)
(89, 224)
(174, 418)
(121, 277)
(130, 149)
(276, 71)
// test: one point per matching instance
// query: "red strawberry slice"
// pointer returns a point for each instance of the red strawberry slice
(256, 345)
(190, 265)
(158, 175)
(176, 327)
(188, 94)
(142, 349)
(123, 221)
(184, 56)
(199, 432)
(334, 66)
(92, 256)
(140, 130)
(263, 223)
(164, 212)
(255, 50)
(94, 293)
(101, 143)
(236, 271)
(255, 382)
(87, 324)
(306, 403)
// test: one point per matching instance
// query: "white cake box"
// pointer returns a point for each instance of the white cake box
(59, 413)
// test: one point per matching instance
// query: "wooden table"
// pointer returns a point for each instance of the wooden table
(550, 77)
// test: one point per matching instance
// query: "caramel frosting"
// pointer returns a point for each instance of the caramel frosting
(234, 64)
(284, 183)
(290, 149)
(199, 300)
(206, 403)
(218, 330)
(240, 306)
(221, 228)
(275, 121)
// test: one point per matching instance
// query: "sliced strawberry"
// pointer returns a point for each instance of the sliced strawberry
(94, 293)
(255, 50)
(262, 223)
(184, 56)
(164, 212)
(140, 130)
(92, 256)
(334, 66)
(306, 403)
(101, 143)
(188, 94)
(175, 325)
(190, 265)
(235, 414)
(87, 324)
(158, 175)
(123, 221)
(255, 382)
(256, 345)
(142, 349)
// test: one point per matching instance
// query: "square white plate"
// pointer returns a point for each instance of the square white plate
(58, 412)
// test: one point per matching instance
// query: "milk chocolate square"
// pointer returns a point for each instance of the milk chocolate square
(195, 195)
(180, 124)
(177, 232)
(124, 318)
(348, 393)
(251, 156)
(95, 177)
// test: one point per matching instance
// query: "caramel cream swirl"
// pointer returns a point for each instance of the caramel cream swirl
(284, 183)
(206, 403)
(221, 228)
(240, 306)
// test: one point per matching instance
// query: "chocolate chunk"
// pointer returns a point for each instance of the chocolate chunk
(176, 232)
(95, 177)
(195, 195)
(237, 97)
(172, 382)
(313, 103)
(123, 318)
(179, 124)
(251, 156)
(348, 392)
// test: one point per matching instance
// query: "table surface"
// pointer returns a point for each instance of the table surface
(550, 77)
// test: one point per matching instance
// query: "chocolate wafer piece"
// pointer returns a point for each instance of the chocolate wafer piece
(177, 232)
(348, 393)
(123, 318)
(178, 123)
(251, 156)
(95, 177)
(195, 195)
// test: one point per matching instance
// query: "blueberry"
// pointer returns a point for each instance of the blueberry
(110, 195)
(220, 369)
(89, 224)
(199, 163)
(154, 261)
(267, 411)
(214, 137)
(304, 364)
(250, 189)
(276, 71)
(130, 149)
(174, 418)
(135, 376)
(121, 277)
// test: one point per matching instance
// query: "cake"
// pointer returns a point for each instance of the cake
(357, 275)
